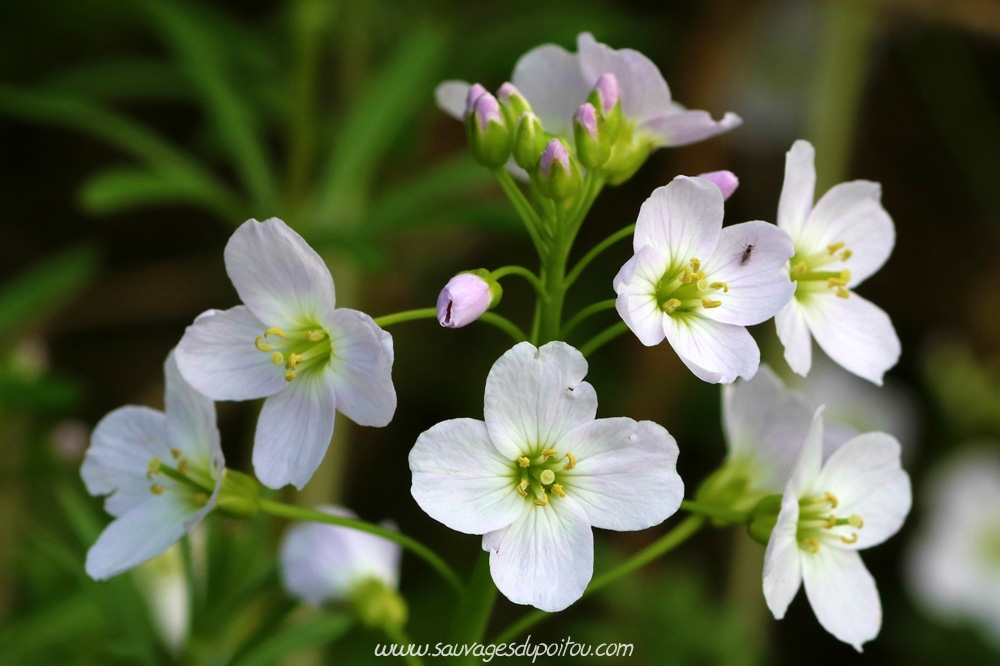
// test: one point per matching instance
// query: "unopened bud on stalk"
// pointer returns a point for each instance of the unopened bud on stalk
(489, 138)
(466, 297)
(606, 98)
(529, 141)
(475, 91)
(558, 176)
(512, 102)
(725, 180)
(592, 145)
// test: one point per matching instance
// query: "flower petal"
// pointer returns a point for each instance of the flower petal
(450, 97)
(218, 358)
(191, 422)
(842, 594)
(855, 333)
(793, 331)
(714, 352)
(758, 287)
(294, 430)
(682, 220)
(684, 127)
(534, 396)
(636, 288)
(807, 468)
(866, 476)
(461, 480)
(277, 275)
(546, 557)
(782, 559)
(361, 366)
(626, 473)
(645, 93)
(799, 188)
(549, 77)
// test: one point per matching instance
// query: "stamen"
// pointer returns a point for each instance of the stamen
(544, 501)
(293, 360)
(852, 539)
(523, 462)
(835, 282)
(800, 269)
(274, 331)
(154, 467)
(289, 375)
(182, 466)
(695, 265)
(547, 476)
(843, 293)
(522, 488)
(671, 305)
(828, 497)
(833, 247)
(315, 336)
(558, 490)
(156, 490)
(707, 303)
(261, 345)
(830, 523)
(719, 285)
(549, 452)
(856, 521)
(812, 545)
(175, 453)
(277, 358)
(572, 461)
(845, 255)
(845, 275)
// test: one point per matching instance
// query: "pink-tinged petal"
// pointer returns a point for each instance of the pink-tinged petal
(191, 422)
(782, 559)
(866, 477)
(546, 557)
(842, 594)
(717, 353)
(644, 92)
(361, 368)
(758, 282)
(294, 430)
(643, 316)
(461, 480)
(277, 275)
(726, 181)
(534, 396)
(549, 77)
(855, 333)
(217, 356)
(799, 189)
(681, 128)
(682, 220)
(852, 214)
(793, 331)
(451, 96)
(626, 473)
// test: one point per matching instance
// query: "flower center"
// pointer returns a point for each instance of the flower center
(191, 479)
(687, 290)
(806, 273)
(818, 522)
(537, 477)
(297, 349)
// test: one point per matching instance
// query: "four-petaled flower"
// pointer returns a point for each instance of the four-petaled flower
(289, 343)
(541, 471)
(162, 470)
(839, 243)
(699, 285)
(857, 499)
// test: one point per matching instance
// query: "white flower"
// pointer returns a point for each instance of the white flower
(839, 243)
(289, 343)
(954, 562)
(321, 563)
(700, 285)
(138, 456)
(857, 499)
(541, 471)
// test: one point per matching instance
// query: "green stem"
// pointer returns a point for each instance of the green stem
(716, 512)
(504, 324)
(412, 545)
(584, 313)
(661, 546)
(602, 338)
(407, 315)
(473, 614)
(523, 207)
(523, 272)
(597, 250)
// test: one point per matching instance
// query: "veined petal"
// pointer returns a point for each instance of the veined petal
(799, 188)
(793, 331)
(361, 367)
(782, 559)
(626, 473)
(550, 79)
(866, 476)
(277, 275)
(534, 396)
(636, 287)
(546, 557)
(191, 425)
(683, 127)
(758, 287)
(715, 352)
(294, 430)
(217, 356)
(450, 97)
(645, 93)
(855, 333)
(461, 480)
(843, 595)
(683, 220)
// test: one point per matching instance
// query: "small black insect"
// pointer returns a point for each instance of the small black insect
(747, 253)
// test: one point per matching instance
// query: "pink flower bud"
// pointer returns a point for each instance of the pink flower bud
(608, 91)
(555, 152)
(475, 91)
(586, 117)
(486, 108)
(724, 180)
(463, 300)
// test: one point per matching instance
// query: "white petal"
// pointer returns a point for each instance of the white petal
(361, 367)
(626, 473)
(682, 220)
(636, 288)
(855, 333)
(799, 188)
(461, 480)
(793, 331)
(294, 430)
(715, 352)
(758, 287)
(450, 97)
(644, 92)
(866, 476)
(144, 532)
(802, 481)
(550, 79)
(535, 396)
(191, 420)
(842, 594)
(782, 559)
(277, 275)
(546, 557)
(681, 128)
(217, 356)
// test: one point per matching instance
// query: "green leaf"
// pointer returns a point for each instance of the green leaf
(46, 394)
(44, 288)
(122, 189)
(28, 639)
(126, 79)
(311, 633)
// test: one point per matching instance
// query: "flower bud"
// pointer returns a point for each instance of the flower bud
(489, 138)
(529, 141)
(607, 100)
(475, 91)
(725, 180)
(466, 297)
(763, 518)
(558, 175)
(512, 102)
(377, 605)
(592, 145)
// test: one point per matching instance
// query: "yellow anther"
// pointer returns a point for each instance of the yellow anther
(315, 336)
(156, 490)
(154, 467)
(670, 305)
(835, 282)
(182, 466)
(851, 539)
(522, 488)
(708, 303)
(833, 247)
(828, 497)
(547, 476)
(289, 375)
(845, 255)
(274, 330)
(175, 454)
(843, 293)
(695, 265)
(720, 285)
(277, 358)
(572, 462)
(549, 453)
(800, 268)
(856, 521)
(830, 523)
(558, 490)
(687, 276)
(698, 277)
(523, 462)
(261, 345)
(293, 360)
(544, 501)
(200, 499)
(812, 545)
